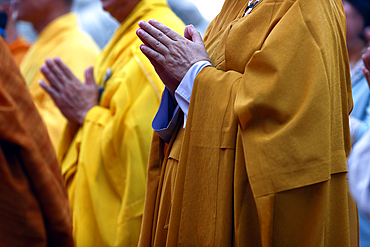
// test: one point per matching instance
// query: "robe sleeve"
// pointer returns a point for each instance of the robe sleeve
(165, 121)
(34, 204)
(184, 90)
(284, 107)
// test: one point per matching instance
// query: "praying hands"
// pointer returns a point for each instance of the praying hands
(73, 98)
(171, 54)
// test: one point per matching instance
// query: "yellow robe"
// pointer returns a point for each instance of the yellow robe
(262, 161)
(104, 164)
(61, 38)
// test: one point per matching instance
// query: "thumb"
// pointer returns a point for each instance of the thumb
(192, 34)
(89, 76)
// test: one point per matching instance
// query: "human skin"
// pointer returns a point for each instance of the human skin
(171, 54)
(73, 98)
(119, 9)
(41, 12)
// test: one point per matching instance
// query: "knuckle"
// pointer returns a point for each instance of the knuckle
(166, 30)
(157, 57)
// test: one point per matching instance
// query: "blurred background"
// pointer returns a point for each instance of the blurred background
(100, 25)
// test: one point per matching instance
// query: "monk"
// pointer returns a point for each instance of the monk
(33, 202)
(58, 35)
(17, 45)
(105, 147)
(258, 153)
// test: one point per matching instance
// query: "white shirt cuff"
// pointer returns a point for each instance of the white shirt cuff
(184, 90)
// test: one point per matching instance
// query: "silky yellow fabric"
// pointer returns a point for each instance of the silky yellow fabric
(262, 161)
(104, 164)
(61, 38)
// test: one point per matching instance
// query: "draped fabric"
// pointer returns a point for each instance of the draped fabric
(18, 48)
(34, 208)
(262, 160)
(104, 162)
(64, 39)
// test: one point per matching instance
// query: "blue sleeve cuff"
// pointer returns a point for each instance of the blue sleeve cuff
(164, 122)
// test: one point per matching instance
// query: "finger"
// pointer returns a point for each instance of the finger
(89, 76)
(156, 56)
(50, 90)
(153, 42)
(155, 33)
(58, 73)
(147, 44)
(166, 30)
(51, 78)
(65, 69)
(157, 66)
(192, 34)
(186, 33)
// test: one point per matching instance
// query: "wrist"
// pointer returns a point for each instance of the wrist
(82, 116)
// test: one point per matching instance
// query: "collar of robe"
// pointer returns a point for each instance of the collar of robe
(251, 5)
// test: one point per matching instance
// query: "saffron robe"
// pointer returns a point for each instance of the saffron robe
(64, 39)
(18, 48)
(34, 208)
(104, 162)
(262, 160)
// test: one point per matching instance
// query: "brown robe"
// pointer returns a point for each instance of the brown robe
(262, 161)
(34, 209)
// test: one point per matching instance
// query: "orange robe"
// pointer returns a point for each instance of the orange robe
(33, 202)
(262, 161)
(18, 48)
